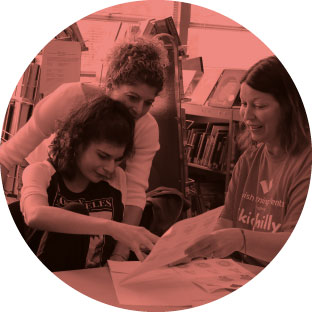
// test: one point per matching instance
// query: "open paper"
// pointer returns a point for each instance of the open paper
(198, 282)
(170, 247)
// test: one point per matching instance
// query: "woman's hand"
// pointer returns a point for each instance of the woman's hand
(218, 244)
(138, 239)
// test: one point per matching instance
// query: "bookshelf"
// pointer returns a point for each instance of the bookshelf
(19, 111)
(213, 173)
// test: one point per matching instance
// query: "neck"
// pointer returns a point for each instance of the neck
(274, 150)
(76, 185)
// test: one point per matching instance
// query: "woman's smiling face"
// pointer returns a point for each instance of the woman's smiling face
(261, 113)
(138, 98)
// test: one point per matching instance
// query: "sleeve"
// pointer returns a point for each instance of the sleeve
(119, 182)
(230, 203)
(36, 180)
(298, 193)
(146, 143)
(42, 124)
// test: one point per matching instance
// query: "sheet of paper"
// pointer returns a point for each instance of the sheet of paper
(214, 274)
(61, 62)
(160, 287)
(170, 247)
(192, 284)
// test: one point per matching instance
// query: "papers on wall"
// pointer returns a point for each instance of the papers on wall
(60, 64)
(170, 247)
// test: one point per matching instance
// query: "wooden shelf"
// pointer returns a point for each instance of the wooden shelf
(205, 168)
(212, 112)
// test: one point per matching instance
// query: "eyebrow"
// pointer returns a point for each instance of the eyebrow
(139, 96)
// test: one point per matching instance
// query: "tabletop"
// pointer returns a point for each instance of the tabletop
(97, 284)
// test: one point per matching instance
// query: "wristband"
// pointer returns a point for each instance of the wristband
(244, 241)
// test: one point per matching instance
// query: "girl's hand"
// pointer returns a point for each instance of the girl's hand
(136, 238)
(218, 244)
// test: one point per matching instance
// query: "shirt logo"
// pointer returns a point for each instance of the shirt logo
(266, 187)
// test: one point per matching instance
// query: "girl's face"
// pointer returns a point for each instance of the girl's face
(262, 115)
(98, 161)
(138, 98)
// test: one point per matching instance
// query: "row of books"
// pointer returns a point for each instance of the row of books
(207, 145)
(18, 113)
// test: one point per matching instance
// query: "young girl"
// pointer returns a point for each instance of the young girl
(135, 76)
(80, 189)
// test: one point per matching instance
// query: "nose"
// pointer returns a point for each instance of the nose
(137, 109)
(109, 167)
(246, 112)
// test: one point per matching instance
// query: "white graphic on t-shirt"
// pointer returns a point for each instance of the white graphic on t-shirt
(266, 187)
(262, 222)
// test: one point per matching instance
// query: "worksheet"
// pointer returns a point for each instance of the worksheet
(198, 282)
(171, 246)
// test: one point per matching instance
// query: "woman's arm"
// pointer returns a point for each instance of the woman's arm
(43, 217)
(42, 123)
(222, 243)
(146, 144)
(38, 214)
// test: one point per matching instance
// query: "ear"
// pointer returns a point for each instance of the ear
(108, 87)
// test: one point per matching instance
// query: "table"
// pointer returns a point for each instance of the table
(97, 284)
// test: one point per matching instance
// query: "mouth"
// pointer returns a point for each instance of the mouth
(254, 128)
(103, 177)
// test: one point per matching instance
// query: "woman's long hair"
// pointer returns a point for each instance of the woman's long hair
(270, 76)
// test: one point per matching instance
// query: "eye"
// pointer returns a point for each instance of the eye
(260, 106)
(103, 156)
(149, 103)
(132, 98)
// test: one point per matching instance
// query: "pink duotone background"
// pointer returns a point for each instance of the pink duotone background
(286, 34)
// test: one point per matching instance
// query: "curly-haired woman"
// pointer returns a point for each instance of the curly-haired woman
(81, 190)
(135, 76)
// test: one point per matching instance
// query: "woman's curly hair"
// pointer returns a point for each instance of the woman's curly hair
(102, 119)
(139, 60)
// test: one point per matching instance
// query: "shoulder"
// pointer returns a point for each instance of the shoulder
(147, 122)
(40, 172)
(301, 163)
(119, 182)
(251, 154)
(72, 88)
(146, 132)
(91, 91)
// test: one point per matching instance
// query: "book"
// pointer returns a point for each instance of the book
(211, 143)
(203, 88)
(24, 114)
(218, 149)
(7, 125)
(30, 82)
(193, 135)
(226, 90)
(160, 26)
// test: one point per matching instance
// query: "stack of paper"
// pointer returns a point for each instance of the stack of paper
(192, 284)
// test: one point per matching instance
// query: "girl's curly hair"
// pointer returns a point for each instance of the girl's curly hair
(102, 119)
(140, 60)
